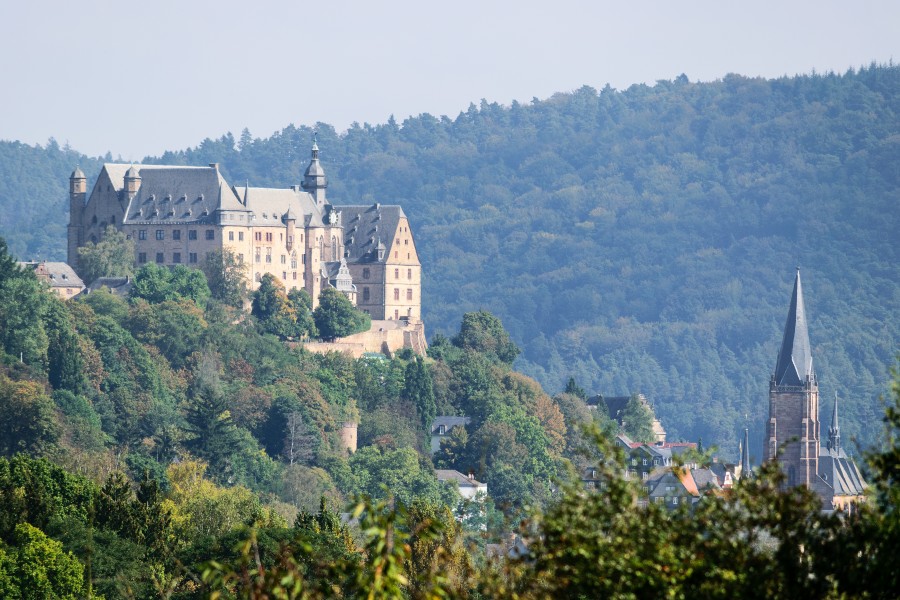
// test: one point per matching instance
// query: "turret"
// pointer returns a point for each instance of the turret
(132, 181)
(290, 220)
(314, 180)
(77, 182)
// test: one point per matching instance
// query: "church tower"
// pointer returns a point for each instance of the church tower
(793, 426)
(77, 195)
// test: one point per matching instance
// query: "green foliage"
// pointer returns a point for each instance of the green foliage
(638, 420)
(35, 567)
(419, 390)
(22, 306)
(156, 283)
(226, 276)
(281, 314)
(483, 332)
(112, 256)
(28, 421)
(336, 317)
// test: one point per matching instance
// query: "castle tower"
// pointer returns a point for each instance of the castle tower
(793, 426)
(314, 180)
(77, 196)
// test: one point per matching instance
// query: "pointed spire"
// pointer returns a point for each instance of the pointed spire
(746, 471)
(795, 358)
(834, 432)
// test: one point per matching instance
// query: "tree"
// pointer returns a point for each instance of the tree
(274, 311)
(112, 256)
(226, 276)
(22, 306)
(28, 420)
(214, 434)
(35, 567)
(638, 420)
(63, 354)
(299, 443)
(483, 332)
(155, 284)
(418, 389)
(336, 317)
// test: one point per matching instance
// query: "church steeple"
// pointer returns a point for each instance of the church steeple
(834, 432)
(314, 180)
(795, 358)
(745, 456)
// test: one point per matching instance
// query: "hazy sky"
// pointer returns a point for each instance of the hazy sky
(137, 78)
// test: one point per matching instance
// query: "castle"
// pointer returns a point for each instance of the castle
(793, 431)
(178, 215)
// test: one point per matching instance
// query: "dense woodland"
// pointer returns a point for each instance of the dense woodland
(638, 240)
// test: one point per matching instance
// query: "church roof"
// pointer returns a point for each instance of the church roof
(794, 363)
(367, 226)
(840, 473)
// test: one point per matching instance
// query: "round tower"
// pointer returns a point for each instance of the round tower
(347, 435)
(77, 196)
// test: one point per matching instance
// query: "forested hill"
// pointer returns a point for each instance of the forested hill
(638, 240)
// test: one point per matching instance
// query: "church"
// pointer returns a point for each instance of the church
(177, 215)
(793, 431)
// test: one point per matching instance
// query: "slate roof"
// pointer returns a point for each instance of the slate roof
(794, 363)
(57, 274)
(457, 477)
(175, 194)
(120, 286)
(448, 422)
(840, 473)
(366, 226)
(270, 206)
(705, 478)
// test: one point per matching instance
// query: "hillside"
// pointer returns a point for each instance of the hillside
(638, 240)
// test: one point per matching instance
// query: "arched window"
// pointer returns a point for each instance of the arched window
(334, 252)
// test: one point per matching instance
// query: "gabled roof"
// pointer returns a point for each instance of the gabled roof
(367, 226)
(794, 363)
(840, 473)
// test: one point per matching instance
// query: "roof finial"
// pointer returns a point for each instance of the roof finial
(834, 432)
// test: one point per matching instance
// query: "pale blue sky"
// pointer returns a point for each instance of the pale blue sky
(140, 78)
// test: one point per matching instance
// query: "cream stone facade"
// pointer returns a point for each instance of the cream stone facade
(178, 215)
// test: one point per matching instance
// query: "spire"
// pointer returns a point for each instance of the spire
(745, 455)
(314, 180)
(795, 358)
(834, 432)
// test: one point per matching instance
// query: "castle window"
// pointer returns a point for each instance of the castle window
(406, 242)
(176, 257)
(294, 262)
(396, 293)
(366, 293)
(192, 257)
(240, 236)
(257, 255)
(284, 275)
(160, 234)
(230, 236)
(159, 258)
(295, 275)
(409, 273)
(409, 294)
(142, 257)
(268, 237)
(396, 314)
(192, 234)
(176, 234)
(112, 219)
(396, 254)
(258, 236)
(396, 273)
(142, 234)
(334, 251)
(366, 273)
(210, 234)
